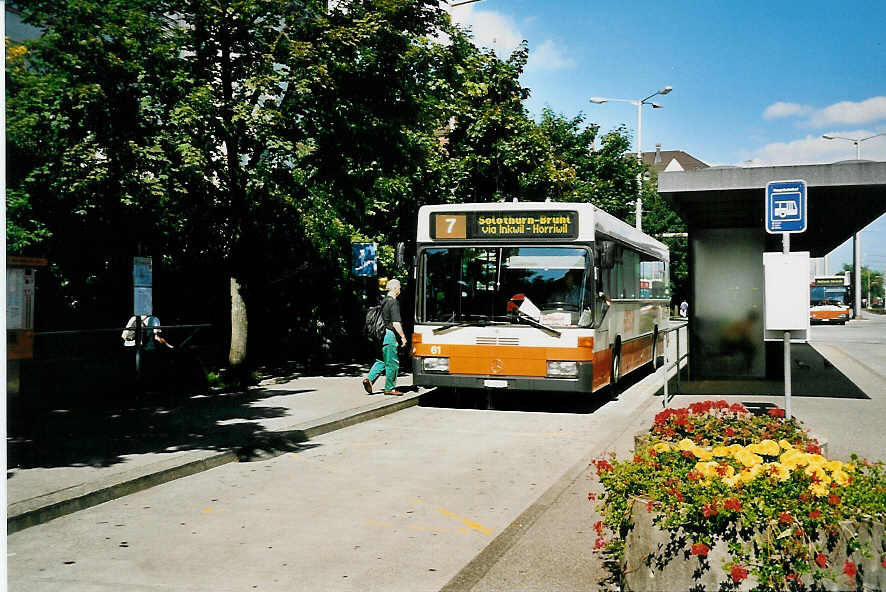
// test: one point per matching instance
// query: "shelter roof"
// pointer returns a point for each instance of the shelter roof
(842, 198)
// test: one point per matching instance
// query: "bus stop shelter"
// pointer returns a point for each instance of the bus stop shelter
(724, 208)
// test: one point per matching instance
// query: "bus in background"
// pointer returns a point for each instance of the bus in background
(829, 299)
(535, 296)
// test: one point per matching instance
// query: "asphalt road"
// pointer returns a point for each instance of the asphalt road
(398, 503)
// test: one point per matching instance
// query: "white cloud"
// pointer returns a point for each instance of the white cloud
(815, 149)
(491, 29)
(781, 109)
(502, 34)
(849, 113)
(842, 113)
(549, 56)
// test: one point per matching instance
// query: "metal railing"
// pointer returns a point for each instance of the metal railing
(668, 364)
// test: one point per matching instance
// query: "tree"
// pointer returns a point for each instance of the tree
(871, 282)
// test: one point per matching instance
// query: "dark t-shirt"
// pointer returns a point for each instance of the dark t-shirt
(390, 312)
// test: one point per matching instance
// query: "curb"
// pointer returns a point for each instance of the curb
(43, 508)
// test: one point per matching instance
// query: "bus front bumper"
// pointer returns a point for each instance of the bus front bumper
(583, 383)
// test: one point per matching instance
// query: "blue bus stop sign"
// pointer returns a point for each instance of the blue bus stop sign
(364, 259)
(786, 207)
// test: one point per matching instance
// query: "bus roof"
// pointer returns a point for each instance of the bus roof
(592, 221)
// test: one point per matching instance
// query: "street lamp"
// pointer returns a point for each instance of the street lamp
(856, 141)
(856, 238)
(639, 103)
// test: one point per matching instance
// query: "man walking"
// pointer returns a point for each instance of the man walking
(394, 337)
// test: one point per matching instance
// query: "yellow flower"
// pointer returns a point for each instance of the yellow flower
(702, 454)
(734, 449)
(818, 489)
(662, 447)
(750, 473)
(685, 444)
(777, 471)
(748, 458)
(815, 460)
(785, 445)
(833, 465)
(707, 468)
(849, 467)
(841, 478)
(793, 458)
(732, 481)
(720, 451)
(767, 447)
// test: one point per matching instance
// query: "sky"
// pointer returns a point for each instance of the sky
(754, 83)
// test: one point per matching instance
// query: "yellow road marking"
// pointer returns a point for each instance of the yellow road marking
(469, 523)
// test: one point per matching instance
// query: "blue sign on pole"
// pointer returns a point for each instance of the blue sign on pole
(364, 259)
(786, 207)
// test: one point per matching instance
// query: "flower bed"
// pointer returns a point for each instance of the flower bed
(717, 498)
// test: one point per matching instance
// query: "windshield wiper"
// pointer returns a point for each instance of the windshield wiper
(481, 321)
(522, 316)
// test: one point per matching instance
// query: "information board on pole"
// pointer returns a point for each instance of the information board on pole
(786, 215)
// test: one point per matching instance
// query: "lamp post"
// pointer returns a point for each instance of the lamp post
(856, 141)
(639, 103)
(856, 238)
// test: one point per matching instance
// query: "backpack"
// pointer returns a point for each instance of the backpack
(374, 325)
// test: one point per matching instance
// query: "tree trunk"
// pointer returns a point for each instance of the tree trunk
(239, 326)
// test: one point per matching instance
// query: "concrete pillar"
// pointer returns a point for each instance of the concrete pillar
(856, 270)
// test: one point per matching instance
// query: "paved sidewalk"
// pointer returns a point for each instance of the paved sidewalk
(66, 460)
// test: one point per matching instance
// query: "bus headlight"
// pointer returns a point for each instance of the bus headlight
(557, 369)
(435, 364)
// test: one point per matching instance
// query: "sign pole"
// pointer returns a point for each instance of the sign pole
(786, 212)
(786, 247)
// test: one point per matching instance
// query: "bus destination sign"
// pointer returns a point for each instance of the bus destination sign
(504, 225)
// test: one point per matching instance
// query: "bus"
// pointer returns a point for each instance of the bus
(829, 299)
(531, 296)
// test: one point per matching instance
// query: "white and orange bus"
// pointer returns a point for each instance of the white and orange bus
(829, 300)
(535, 296)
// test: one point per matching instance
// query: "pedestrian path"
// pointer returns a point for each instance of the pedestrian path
(66, 460)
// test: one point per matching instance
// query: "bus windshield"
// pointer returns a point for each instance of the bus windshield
(477, 283)
(822, 295)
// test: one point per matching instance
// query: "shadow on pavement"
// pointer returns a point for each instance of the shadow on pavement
(100, 431)
(530, 401)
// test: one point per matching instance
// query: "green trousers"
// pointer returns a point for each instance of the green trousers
(390, 364)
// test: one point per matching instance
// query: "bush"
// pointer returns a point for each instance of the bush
(714, 472)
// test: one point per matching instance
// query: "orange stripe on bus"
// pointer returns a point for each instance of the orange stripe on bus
(501, 360)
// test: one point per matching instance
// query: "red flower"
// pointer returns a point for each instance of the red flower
(815, 514)
(638, 459)
(687, 453)
(694, 476)
(729, 432)
(598, 527)
(737, 408)
(834, 499)
(709, 510)
(732, 504)
(700, 549)
(599, 543)
(813, 448)
(738, 573)
(603, 466)
(849, 568)
(679, 496)
(592, 496)
(721, 469)
(821, 560)
(650, 506)
(883, 563)
(776, 412)
(795, 577)
(785, 518)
